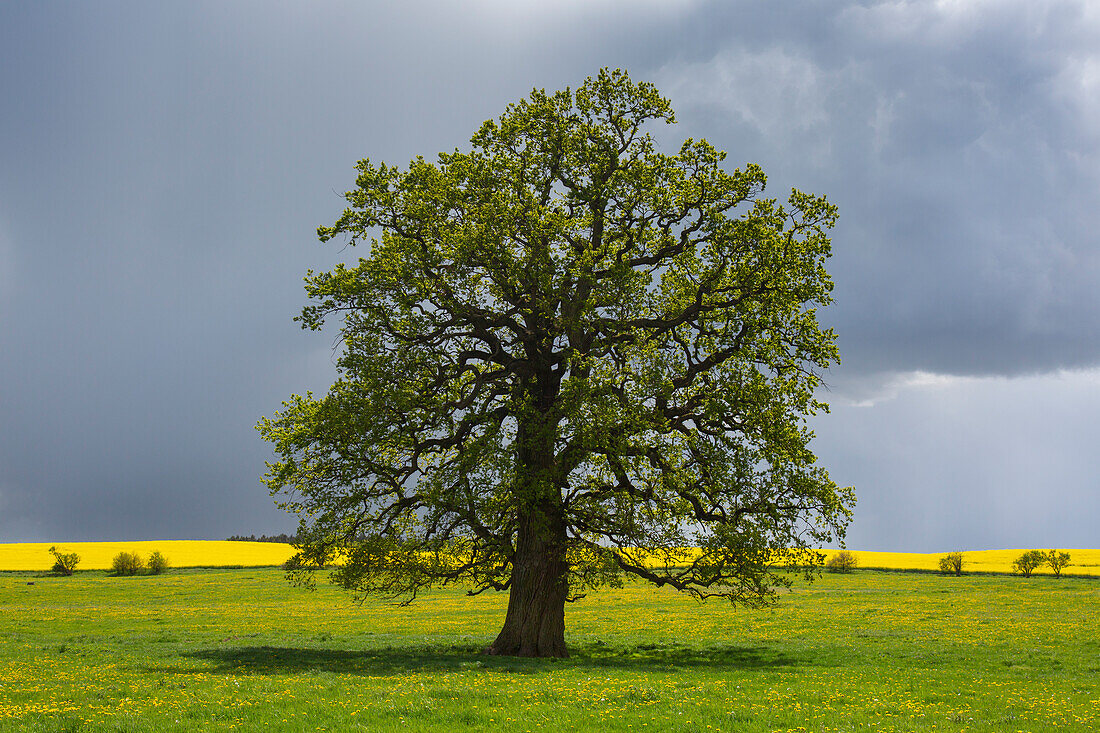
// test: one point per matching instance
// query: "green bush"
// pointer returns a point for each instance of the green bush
(952, 563)
(1057, 560)
(64, 562)
(1025, 564)
(842, 562)
(127, 563)
(158, 563)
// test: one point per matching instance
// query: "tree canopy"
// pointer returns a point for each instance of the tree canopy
(567, 358)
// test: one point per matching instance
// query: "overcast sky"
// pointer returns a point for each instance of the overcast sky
(164, 167)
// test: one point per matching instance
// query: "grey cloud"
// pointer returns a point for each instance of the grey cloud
(964, 463)
(163, 169)
(960, 144)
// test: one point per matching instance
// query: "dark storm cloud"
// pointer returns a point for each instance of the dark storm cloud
(960, 141)
(163, 169)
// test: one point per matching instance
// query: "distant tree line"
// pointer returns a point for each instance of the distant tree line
(289, 539)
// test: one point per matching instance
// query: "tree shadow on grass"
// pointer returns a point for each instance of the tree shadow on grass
(262, 660)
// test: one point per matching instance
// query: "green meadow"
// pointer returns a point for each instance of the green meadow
(240, 649)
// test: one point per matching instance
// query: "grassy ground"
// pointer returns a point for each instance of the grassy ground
(224, 649)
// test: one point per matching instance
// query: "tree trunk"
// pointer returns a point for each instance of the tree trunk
(535, 624)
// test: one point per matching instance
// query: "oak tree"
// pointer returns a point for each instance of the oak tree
(566, 358)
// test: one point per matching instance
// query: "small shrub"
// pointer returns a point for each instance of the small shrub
(842, 562)
(64, 562)
(1057, 560)
(952, 563)
(1025, 564)
(127, 563)
(158, 563)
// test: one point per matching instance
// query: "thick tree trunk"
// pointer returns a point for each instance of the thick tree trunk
(535, 624)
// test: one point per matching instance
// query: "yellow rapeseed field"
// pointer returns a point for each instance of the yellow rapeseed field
(180, 553)
(1082, 562)
(35, 556)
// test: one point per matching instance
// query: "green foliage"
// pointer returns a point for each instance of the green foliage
(952, 563)
(127, 563)
(158, 563)
(1026, 563)
(1057, 561)
(287, 539)
(64, 562)
(566, 353)
(842, 562)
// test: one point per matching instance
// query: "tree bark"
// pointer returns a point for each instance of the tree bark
(535, 624)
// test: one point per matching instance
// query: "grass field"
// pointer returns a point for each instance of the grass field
(240, 649)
